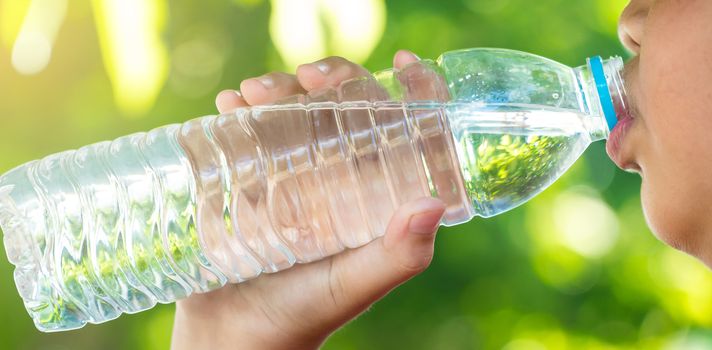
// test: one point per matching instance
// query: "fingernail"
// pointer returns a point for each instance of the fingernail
(426, 221)
(266, 81)
(411, 53)
(323, 67)
(236, 92)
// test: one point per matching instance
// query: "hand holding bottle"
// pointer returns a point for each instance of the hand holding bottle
(300, 307)
(321, 165)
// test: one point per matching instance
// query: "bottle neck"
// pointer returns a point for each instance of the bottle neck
(603, 94)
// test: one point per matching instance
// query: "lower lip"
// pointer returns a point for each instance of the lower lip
(615, 139)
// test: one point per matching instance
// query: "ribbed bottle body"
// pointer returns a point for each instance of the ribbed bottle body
(152, 217)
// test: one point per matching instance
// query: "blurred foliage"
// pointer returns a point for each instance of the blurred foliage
(575, 268)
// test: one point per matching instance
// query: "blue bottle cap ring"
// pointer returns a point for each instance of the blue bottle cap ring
(599, 78)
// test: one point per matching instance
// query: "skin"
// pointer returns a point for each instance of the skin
(670, 98)
(669, 89)
(299, 307)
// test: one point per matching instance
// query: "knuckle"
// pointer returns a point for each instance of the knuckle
(413, 264)
(279, 76)
(337, 60)
(411, 261)
(350, 67)
(271, 74)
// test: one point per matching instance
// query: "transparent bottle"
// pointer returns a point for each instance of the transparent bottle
(152, 217)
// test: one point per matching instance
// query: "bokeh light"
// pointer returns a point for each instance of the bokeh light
(198, 60)
(32, 49)
(585, 223)
(130, 34)
(304, 31)
(12, 14)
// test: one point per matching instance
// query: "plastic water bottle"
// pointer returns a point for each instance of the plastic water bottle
(152, 217)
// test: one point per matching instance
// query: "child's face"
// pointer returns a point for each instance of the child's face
(670, 139)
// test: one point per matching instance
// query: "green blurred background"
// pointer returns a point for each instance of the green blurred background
(575, 268)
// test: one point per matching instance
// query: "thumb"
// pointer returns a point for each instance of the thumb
(366, 274)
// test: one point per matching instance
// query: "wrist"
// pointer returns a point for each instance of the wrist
(203, 328)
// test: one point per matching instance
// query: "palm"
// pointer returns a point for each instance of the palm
(304, 296)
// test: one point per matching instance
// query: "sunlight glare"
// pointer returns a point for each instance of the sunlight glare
(12, 14)
(356, 26)
(32, 49)
(587, 225)
(134, 54)
(296, 32)
(308, 30)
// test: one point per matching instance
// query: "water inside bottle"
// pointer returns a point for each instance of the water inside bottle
(260, 192)
(510, 153)
(321, 180)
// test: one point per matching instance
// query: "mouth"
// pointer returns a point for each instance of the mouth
(627, 114)
(616, 142)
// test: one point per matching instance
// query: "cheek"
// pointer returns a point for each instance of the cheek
(675, 98)
(677, 189)
(674, 211)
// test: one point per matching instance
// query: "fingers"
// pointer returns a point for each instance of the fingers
(228, 100)
(422, 83)
(422, 80)
(328, 72)
(269, 88)
(364, 275)
(403, 57)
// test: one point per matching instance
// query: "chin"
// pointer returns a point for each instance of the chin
(676, 225)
